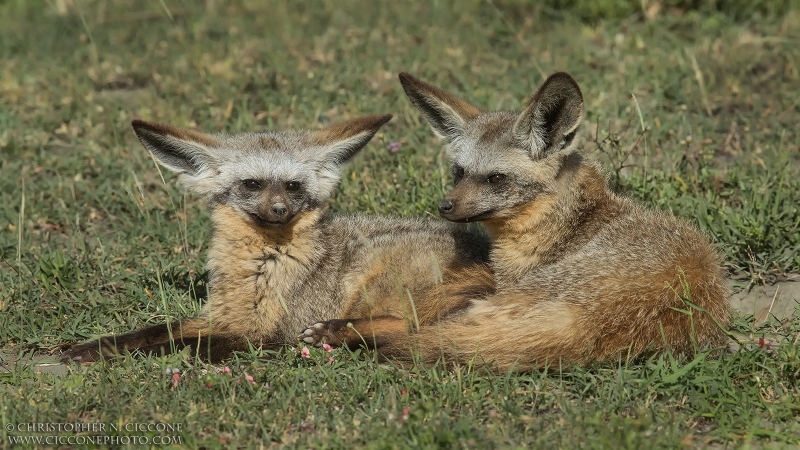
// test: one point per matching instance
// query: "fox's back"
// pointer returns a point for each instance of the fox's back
(404, 253)
(637, 252)
(393, 237)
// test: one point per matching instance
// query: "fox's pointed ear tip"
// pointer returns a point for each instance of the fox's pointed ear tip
(563, 76)
(374, 121)
(138, 124)
(406, 77)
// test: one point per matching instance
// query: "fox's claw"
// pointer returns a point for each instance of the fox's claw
(314, 335)
(323, 333)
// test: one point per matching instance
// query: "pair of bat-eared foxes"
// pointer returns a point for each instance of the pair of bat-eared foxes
(563, 270)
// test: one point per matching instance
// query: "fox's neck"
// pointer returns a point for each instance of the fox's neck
(540, 232)
(231, 231)
(254, 271)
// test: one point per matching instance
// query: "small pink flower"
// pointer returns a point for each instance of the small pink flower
(250, 379)
(305, 353)
(226, 369)
(208, 384)
(327, 347)
(394, 147)
(406, 410)
(175, 378)
(330, 359)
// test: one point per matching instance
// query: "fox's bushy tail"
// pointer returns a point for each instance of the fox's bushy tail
(510, 332)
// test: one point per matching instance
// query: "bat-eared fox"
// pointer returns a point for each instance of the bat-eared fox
(278, 261)
(582, 274)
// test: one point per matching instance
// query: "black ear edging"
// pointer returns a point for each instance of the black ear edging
(433, 113)
(353, 148)
(554, 120)
(569, 137)
(360, 143)
(448, 127)
(167, 152)
(568, 98)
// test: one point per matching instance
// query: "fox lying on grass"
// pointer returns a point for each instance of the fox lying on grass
(582, 275)
(277, 261)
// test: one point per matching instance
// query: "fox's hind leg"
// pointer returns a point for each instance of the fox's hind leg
(161, 339)
(431, 304)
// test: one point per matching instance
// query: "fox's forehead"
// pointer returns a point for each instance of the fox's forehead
(493, 127)
(488, 145)
(267, 156)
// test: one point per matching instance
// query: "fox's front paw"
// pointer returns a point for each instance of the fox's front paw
(330, 332)
(84, 353)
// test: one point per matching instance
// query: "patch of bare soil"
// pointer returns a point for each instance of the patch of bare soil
(779, 300)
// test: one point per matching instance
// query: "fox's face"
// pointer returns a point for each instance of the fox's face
(267, 178)
(500, 159)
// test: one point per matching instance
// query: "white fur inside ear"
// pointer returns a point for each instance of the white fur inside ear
(450, 124)
(339, 152)
(179, 155)
(530, 128)
(327, 180)
(536, 137)
(193, 161)
(330, 159)
(203, 183)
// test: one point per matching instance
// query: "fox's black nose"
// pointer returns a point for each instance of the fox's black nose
(445, 206)
(279, 209)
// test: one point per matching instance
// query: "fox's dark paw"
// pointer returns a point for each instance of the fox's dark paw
(84, 353)
(330, 332)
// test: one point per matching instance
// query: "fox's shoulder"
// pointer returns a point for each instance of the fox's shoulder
(397, 225)
(420, 235)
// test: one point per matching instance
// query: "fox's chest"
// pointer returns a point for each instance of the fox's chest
(279, 267)
(263, 267)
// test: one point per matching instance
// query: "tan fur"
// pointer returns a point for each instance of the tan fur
(460, 107)
(347, 129)
(377, 328)
(182, 134)
(268, 282)
(582, 274)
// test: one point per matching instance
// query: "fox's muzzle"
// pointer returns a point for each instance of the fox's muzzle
(457, 207)
(279, 210)
(273, 213)
(450, 211)
(445, 207)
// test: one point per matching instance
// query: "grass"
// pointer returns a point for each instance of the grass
(694, 113)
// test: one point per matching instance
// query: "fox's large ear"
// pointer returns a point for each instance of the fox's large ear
(446, 113)
(552, 116)
(341, 141)
(184, 151)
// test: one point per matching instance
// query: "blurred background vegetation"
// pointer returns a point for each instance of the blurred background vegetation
(593, 11)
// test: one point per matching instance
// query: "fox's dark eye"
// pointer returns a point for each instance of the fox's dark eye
(496, 178)
(252, 185)
(459, 172)
(292, 185)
